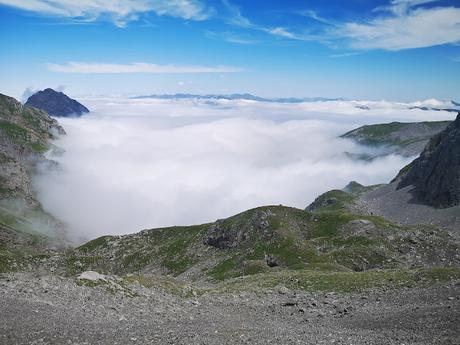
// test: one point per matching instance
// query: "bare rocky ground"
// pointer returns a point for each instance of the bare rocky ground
(398, 205)
(48, 309)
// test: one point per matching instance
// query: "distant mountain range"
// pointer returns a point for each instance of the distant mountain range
(449, 106)
(450, 110)
(239, 96)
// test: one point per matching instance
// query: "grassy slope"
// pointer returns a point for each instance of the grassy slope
(21, 245)
(26, 236)
(303, 243)
(380, 134)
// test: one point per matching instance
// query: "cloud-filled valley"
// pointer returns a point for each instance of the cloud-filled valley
(135, 164)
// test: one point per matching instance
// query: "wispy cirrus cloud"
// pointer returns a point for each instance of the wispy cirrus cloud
(399, 25)
(401, 7)
(313, 15)
(236, 18)
(232, 37)
(120, 12)
(404, 28)
(139, 67)
(281, 32)
(343, 55)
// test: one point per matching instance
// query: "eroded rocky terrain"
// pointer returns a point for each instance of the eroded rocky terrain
(56, 310)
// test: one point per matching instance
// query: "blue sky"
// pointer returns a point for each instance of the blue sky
(358, 49)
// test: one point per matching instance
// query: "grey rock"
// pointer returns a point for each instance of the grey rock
(92, 276)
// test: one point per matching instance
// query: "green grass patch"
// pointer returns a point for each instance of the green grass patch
(20, 136)
(74, 264)
(14, 132)
(348, 282)
(97, 243)
(225, 269)
(380, 133)
(327, 224)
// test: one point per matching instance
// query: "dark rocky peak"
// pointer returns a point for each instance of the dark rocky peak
(56, 103)
(436, 173)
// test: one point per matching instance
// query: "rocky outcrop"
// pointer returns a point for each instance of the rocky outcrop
(56, 103)
(24, 137)
(436, 173)
(225, 235)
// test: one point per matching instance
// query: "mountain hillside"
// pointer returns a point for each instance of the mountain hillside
(424, 192)
(407, 139)
(25, 135)
(56, 103)
(269, 239)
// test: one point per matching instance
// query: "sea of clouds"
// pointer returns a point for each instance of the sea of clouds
(133, 164)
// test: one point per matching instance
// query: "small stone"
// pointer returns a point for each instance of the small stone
(92, 276)
(283, 290)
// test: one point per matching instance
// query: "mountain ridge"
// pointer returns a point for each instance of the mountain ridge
(448, 106)
(404, 138)
(237, 96)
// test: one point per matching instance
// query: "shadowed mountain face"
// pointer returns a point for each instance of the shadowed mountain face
(436, 173)
(56, 103)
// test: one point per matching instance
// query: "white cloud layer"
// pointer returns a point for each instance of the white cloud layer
(135, 164)
(139, 67)
(119, 11)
